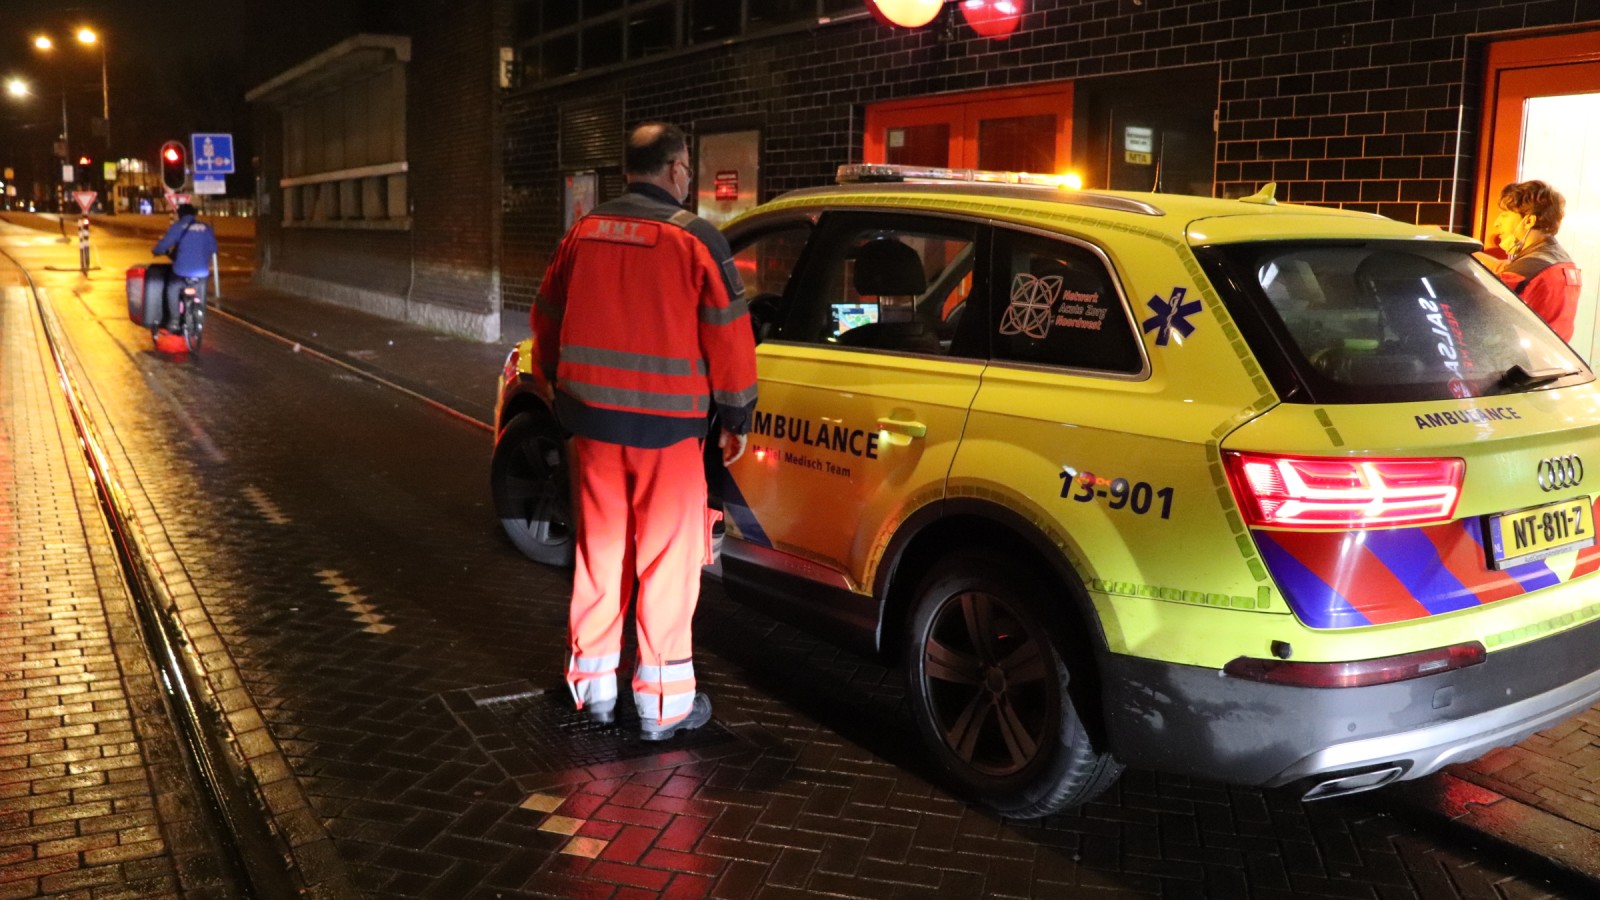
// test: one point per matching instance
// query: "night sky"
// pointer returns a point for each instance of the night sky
(174, 68)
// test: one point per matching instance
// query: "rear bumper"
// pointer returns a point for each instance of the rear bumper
(1195, 721)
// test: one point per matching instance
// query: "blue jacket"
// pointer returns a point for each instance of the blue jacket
(194, 243)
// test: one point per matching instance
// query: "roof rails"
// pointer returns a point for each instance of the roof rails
(1020, 185)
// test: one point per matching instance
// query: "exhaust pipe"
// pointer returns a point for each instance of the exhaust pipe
(1345, 785)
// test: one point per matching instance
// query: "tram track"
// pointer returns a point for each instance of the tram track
(257, 863)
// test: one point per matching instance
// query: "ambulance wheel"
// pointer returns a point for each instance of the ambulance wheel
(989, 690)
(532, 496)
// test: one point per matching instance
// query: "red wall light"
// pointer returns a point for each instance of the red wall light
(905, 13)
(992, 18)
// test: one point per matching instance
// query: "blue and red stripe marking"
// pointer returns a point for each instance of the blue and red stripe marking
(1346, 579)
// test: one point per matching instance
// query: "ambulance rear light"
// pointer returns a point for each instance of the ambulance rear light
(877, 173)
(1358, 673)
(1343, 492)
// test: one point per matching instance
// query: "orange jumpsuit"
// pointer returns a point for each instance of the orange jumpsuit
(641, 326)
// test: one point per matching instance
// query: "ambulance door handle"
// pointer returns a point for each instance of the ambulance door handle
(907, 427)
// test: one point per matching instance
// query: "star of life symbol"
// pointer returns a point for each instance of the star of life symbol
(1171, 314)
(1031, 301)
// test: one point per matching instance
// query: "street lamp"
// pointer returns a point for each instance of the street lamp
(87, 36)
(16, 87)
(45, 45)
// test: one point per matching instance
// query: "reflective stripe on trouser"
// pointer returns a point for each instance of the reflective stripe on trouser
(640, 515)
(593, 679)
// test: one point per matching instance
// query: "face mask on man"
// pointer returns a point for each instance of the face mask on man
(682, 193)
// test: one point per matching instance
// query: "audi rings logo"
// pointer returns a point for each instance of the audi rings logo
(1558, 473)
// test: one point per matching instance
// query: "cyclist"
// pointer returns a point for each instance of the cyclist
(191, 244)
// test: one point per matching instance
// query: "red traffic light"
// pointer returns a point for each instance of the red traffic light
(174, 175)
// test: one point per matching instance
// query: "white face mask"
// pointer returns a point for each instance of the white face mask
(681, 192)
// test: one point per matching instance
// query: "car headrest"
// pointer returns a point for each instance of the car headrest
(887, 268)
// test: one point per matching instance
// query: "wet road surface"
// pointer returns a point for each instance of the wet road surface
(388, 669)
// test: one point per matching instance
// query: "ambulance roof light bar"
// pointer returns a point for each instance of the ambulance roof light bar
(879, 173)
(869, 173)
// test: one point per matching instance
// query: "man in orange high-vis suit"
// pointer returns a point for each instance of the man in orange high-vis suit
(641, 326)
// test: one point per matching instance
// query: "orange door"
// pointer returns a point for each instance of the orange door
(1542, 120)
(1019, 129)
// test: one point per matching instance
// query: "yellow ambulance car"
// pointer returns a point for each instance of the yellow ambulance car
(1261, 493)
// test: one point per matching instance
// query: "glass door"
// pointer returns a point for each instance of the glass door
(1542, 121)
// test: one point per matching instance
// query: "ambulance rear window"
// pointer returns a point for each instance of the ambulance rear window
(1385, 321)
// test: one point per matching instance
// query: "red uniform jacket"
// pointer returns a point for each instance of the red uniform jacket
(1549, 282)
(641, 325)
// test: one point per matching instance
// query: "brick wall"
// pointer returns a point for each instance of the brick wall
(1354, 104)
(452, 123)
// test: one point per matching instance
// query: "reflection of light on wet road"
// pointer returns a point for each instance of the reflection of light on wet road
(364, 612)
(269, 510)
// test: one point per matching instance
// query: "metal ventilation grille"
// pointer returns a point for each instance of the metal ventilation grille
(530, 731)
(592, 134)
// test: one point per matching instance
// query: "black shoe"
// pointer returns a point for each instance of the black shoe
(602, 713)
(699, 714)
(172, 328)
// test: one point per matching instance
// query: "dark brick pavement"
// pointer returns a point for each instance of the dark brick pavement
(830, 797)
(1537, 798)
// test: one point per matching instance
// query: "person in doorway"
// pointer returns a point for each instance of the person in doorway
(1536, 267)
(641, 327)
(191, 244)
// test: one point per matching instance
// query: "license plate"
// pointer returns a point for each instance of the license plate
(1533, 534)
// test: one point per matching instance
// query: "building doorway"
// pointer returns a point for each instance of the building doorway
(1019, 130)
(1542, 120)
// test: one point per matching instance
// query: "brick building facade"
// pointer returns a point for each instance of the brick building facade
(379, 169)
(1374, 105)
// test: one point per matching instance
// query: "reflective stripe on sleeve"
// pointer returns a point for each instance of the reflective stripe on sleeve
(735, 310)
(735, 398)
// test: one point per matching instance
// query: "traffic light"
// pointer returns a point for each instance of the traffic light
(174, 175)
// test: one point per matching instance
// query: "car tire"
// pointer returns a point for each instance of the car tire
(529, 479)
(989, 690)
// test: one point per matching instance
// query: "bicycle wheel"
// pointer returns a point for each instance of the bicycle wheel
(194, 324)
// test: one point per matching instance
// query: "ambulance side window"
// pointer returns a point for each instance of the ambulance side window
(886, 283)
(765, 263)
(1055, 303)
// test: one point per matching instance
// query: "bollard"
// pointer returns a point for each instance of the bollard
(83, 245)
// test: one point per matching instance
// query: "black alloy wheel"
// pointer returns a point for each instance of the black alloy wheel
(529, 479)
(989, 688)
